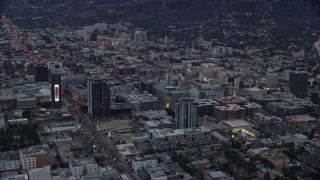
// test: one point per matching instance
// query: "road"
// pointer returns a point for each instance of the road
(102, 144)
(16, 37)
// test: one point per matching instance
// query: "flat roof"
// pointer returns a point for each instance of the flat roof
(115, 125)
(236, 123)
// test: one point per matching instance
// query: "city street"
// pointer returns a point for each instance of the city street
(102, 144)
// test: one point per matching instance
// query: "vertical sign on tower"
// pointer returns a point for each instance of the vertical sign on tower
(56, 92)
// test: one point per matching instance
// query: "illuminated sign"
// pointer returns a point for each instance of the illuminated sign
(56, 92)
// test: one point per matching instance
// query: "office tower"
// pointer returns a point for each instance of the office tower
(41, 72)
(140, 37)
(298, 82)
(185, 114)
(55, 84)
(98, 97)
(272, 80)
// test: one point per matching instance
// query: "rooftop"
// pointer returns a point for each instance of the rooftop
(237, 123)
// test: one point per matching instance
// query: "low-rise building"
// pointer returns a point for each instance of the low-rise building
(158, 124)
(139, 162)
(103, 174)
(10, 163)
(79, 167)
(229, 111)
(127, 151)
(62, 126)
(40, 173)
(141, 102)
(276, 158)
(36, 157)
(158, 172)
(219, 137)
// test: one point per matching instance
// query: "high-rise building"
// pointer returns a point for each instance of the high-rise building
(98, 97)
(140, 37)
(185, 114)
(298, 82)
(272, 80)
(41, 72)
(55, 83)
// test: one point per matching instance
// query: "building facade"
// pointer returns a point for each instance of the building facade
(298, 82)
(179, 138)
(139, 162)
(98, 97)
(185, 114)
(41, 72)
(36, 157)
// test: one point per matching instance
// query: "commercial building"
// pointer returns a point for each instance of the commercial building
(205, 107)
(119, 108)
(140, 37)
(117, 130)
(298, 82)
(185, 114)
(171, 139)
(36, 157)
(80, 167)
(147, 86)
(10, 163)
(103, 174)
(252, 108)
(98, 97)
(272, 80)
(127, 151)
(141, 102)
(62, 126)
(158, 172)
(169, 95)
(41, 72)
(56, 98)
(26, 101)
(40, 173)
(285, 109)
(229, 111)
(276, 158)
(7, 98)
(216, 175)
(158, 124)
(76, 80)
(147, 160)
(219, 51)
(260, 119)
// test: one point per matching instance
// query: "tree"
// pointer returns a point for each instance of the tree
(26, 114)
(315, 98)
(267, 176)
(84, 108)
(45, 105)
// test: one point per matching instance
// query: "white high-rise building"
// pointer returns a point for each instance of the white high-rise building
(140, 37)
(186, 114)
(89, 29)
(100, 26)
(86, 36)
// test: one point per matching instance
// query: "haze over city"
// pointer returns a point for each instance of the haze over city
(159, 89)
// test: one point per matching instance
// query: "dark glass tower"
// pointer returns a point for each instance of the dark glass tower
(298, 83)
(41, 72)
(56, 102)
(98, 97)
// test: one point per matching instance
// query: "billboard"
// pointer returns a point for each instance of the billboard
(56, 93)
